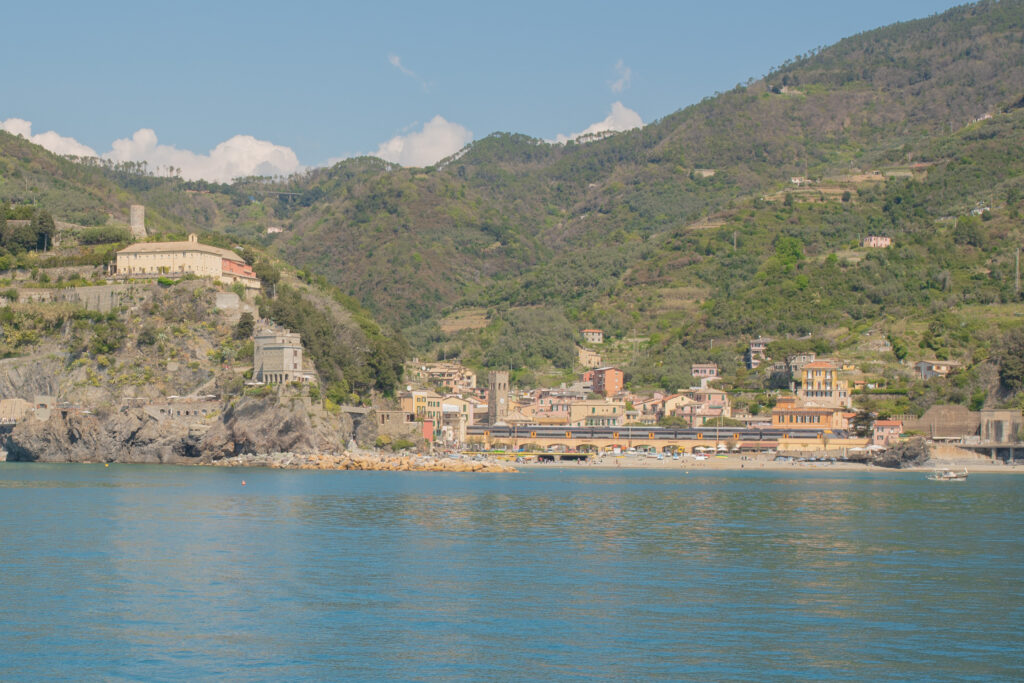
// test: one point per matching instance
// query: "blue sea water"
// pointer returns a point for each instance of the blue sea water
(166, 573)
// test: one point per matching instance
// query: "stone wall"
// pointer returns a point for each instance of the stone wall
(944, 422)
(101, 298)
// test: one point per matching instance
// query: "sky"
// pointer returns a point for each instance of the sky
(221, 89)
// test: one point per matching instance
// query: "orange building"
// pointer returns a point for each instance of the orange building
(608, 381)
(788, 412)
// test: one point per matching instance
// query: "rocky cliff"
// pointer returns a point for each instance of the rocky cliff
(251, 425)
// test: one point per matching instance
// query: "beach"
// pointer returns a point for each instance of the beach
(958, 461)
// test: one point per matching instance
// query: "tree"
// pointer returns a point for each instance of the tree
(245, 326)
(44, 228)
(21, 238)
(863, 423)
(1011, 359)
(267, 273)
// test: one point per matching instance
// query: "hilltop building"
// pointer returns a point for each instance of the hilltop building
(756, 352)
(926, 369)
(704, 370)
(593, 336)
(451, 374)
(176, 259)
(876, 242)
(588, 358)
(277, 356)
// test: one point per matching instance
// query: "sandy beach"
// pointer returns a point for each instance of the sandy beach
(971, 462)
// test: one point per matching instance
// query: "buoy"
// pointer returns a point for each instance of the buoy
(243, 482)
(106, 464)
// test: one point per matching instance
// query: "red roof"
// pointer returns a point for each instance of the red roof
(888, 423)
(238, 269)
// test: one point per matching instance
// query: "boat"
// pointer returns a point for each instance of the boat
(948, 475)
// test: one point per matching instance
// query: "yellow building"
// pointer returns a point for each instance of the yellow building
(588, 358)
(424, 404)
(794, 414)
(175, 259)
(821, 385)
(596, 413)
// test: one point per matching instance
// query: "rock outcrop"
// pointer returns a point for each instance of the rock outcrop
(910, 453)
(263, 425)
(129, 436)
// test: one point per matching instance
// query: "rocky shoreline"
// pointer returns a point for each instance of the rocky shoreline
(361, 460)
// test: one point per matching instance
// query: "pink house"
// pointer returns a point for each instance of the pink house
(704, 370)
(886, 432)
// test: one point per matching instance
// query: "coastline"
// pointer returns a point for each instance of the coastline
(768, 463)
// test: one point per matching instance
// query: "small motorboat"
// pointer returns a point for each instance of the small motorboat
(948, 475)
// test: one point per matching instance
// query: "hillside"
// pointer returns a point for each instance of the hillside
(683, 230)
(509, 204)
(739, 215)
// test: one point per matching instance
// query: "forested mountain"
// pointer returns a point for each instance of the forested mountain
(687, 230)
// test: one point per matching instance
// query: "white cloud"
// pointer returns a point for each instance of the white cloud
(624, 74)
(396, 62)
(621, 118)
(242, 155)
(50, 140)
(438, 139)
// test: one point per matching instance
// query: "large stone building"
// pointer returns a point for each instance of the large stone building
(277, 356)
(175, 259)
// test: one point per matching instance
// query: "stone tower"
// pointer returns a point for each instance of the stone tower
(497, 396)
(138, 221)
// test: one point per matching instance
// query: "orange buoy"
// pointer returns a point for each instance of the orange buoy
(243, 482)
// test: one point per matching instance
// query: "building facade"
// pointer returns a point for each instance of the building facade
(588, 358)
(277, 356)
(497, 396)
(820, 384)
(704, 370)
(176, 259)
(926, 369)
(593, 336)
(596, 413)
(791, 413)
(876, 242)
(886, 432)
(608, 381)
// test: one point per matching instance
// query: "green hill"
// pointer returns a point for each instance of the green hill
(688, 230)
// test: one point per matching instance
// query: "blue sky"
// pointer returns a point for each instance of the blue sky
(285, 85)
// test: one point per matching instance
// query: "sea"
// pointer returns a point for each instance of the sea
(139, 573)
